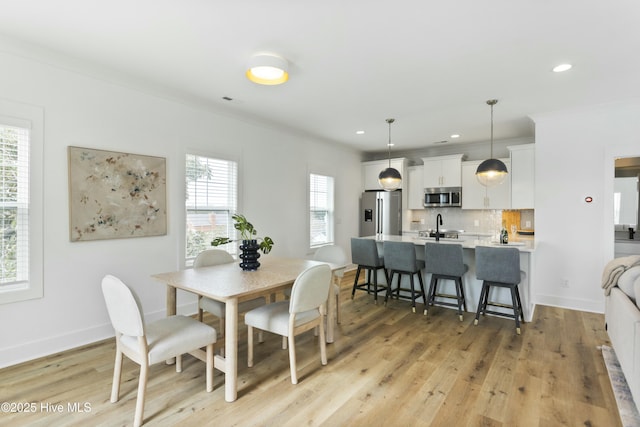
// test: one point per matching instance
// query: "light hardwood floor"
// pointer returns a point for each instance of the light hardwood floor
(388, 367)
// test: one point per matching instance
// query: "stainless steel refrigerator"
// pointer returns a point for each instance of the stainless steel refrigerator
(381, 213)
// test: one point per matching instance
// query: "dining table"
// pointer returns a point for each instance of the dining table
(230, 284)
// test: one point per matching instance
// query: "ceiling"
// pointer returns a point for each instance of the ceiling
(430, 65)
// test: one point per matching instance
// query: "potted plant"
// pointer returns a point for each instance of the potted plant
(250, 243)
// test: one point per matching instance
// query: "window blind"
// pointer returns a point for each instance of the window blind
(14, 205)
(320, 210)
(211, 200)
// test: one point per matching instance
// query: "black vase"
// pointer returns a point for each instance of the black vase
(249, 255)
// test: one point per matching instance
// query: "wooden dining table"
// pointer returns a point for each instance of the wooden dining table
(228, 283)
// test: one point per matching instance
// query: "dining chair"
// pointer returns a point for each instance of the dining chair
(148, 344)
(336, 255)
(209, 258)
(303, 311)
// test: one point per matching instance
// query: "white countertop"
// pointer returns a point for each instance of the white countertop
(523, 243)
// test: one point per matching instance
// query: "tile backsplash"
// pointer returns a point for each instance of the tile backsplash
(481, 220)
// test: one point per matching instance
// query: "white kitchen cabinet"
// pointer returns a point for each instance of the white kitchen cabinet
(371, 170)
(415, 196)
(477, 196)
(522, 174)
(442, 171)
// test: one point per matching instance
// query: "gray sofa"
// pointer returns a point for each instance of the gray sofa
(622, 320)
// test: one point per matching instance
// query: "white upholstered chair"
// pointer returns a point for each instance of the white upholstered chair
(335, 255)
(154, 342)
(303, 311)
(215, 257)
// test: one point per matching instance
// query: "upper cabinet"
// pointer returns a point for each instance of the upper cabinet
(371, 170)
(522, 176)
(415, 196)
(477, 196)
(443, 171)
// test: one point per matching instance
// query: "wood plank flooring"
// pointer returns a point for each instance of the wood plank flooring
(388, 367)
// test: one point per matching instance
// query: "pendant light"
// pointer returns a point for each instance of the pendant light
(492, 171)
(390, 178)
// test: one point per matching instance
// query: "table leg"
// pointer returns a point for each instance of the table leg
(231, 350)
(171, 300)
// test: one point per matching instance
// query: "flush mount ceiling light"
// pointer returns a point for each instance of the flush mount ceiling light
(266, 69)
(390, 178)
(562, 67)
(492, 171)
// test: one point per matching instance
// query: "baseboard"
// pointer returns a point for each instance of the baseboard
(570, 303)
(25, 352)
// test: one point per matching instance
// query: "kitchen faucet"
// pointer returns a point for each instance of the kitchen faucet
(438, 224)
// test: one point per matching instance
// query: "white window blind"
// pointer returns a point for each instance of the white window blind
(320, 210)
(211, 200)
(14, 205)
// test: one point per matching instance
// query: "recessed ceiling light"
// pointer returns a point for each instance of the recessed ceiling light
(455, 135)
(267, 70)
(359, 132)
(562, 67)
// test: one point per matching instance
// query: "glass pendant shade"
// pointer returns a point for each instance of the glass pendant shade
(390, 179)
(491, 172)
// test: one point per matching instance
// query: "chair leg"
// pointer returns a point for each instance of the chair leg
(292, 358)
(179, 363)
(250, 346)
(284, 343)
(338, 317)
(117, 376)
(142, 386)
(375, 286)
(389, 276)
(323, 342)
(519, 304)
(210, 368)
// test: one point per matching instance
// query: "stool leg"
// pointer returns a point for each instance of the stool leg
(355, 282)
(519, 304)
(387, 294)
(458, 290)
(375, 286)
(432, 292)
(483, 295)
(424, 295)
(516, 311)
(413, 294)
(464, 298)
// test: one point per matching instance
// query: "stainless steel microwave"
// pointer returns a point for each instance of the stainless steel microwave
(442, 197)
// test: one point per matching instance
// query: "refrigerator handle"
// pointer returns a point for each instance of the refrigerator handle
(380, 213)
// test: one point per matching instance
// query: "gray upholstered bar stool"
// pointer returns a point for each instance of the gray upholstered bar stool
(500, 267)
(400, 258)
(364, 253)
(444, 262)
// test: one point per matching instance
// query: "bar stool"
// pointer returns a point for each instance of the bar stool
(400, 258)
(499, 267)
(364, 253)
(444, 262)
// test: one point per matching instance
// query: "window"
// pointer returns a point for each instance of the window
(20, 202)
(320, 210)
(211, 200)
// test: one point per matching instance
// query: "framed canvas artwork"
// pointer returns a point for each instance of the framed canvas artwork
(115, 195)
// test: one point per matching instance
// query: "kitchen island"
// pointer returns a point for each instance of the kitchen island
(473, 286)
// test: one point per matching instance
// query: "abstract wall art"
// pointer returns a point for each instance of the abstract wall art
(115, 195)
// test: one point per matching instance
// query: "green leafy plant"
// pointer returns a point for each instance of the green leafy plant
(247, 232)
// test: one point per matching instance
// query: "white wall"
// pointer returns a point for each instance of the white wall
(88, 112)
(575, 152)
